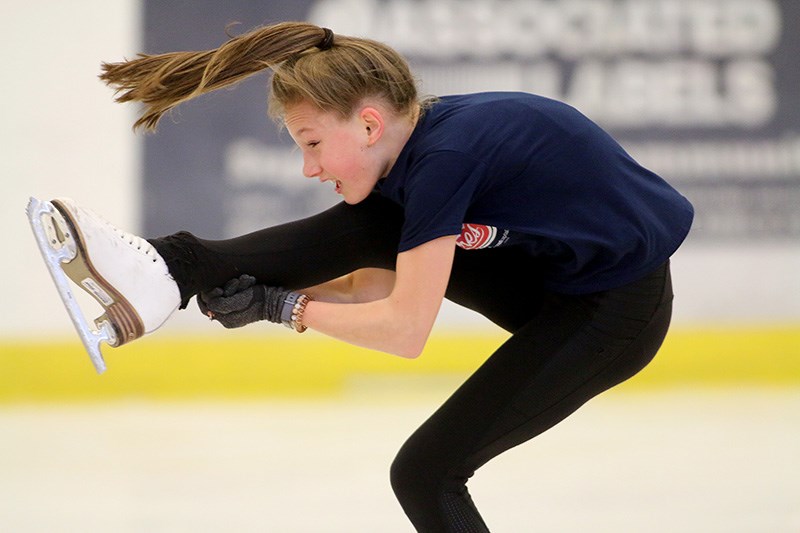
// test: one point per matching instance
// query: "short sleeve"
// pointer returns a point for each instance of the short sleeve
(438, 192)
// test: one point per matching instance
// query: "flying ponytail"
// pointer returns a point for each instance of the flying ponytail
(163, 81)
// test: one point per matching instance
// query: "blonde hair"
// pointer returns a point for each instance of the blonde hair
(308, 63)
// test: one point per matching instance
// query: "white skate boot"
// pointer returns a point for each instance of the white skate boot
(124, 273)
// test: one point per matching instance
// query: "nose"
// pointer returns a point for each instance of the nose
(311, 168)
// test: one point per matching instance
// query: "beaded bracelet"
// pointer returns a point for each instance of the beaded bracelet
(298, 311)
(294, 305)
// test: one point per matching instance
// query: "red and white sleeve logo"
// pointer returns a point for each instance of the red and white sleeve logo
(476, 236)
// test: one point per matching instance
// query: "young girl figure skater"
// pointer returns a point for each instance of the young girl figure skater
(510, 204)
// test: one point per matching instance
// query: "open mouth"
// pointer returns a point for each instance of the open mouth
(338, 187)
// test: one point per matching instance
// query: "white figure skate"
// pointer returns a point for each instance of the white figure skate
(122, 272)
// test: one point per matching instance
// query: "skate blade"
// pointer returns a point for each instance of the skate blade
(58, 247)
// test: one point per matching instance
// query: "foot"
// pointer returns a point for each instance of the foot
(123, 272)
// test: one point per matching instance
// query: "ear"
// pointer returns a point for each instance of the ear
(373, 123)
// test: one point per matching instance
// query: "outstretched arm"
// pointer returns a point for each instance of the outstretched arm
(400, 322)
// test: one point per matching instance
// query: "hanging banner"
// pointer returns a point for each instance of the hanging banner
(704, 92)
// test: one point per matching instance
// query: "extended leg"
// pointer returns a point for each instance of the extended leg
(298, 254)
(140, 283)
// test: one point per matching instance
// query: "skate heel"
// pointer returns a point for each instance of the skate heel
(125, 322)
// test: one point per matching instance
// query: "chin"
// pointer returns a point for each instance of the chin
(352, 199)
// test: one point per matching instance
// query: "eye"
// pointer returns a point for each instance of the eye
(312, 144)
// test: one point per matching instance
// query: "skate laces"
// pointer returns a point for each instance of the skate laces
(134, 240)
(139, 243)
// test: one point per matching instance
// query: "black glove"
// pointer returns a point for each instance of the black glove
(241, 301)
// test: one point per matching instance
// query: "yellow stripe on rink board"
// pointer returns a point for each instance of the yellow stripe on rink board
(285, 365)
(726, 356)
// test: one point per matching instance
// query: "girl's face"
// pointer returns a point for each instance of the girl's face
(337, 150)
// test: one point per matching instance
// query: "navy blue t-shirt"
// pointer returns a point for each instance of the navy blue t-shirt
(515, 169)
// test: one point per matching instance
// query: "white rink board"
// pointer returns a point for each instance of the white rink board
(686, 461)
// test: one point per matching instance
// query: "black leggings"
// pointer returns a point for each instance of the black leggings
(563, 350)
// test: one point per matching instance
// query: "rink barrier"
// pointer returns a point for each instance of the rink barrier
(241, 365)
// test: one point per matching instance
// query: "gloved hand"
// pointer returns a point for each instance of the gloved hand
(241, 301)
